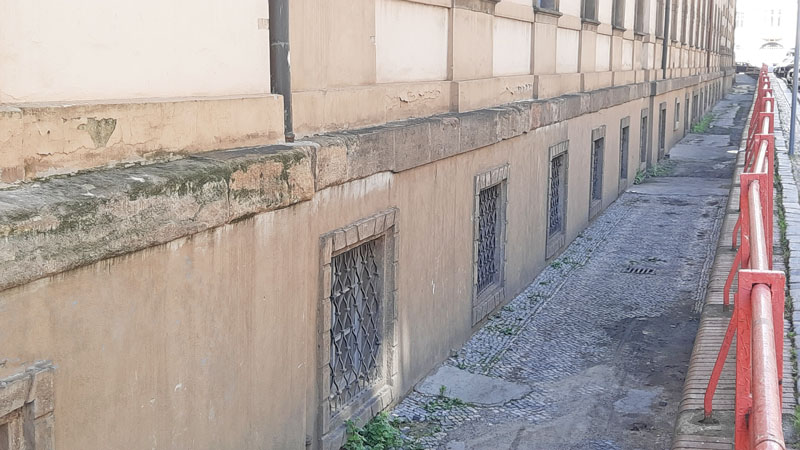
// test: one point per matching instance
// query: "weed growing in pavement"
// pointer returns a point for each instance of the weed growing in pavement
(796, 419)
(641, 175)
(704, 124)
(380, 433)
(660, 169)
(442, 402)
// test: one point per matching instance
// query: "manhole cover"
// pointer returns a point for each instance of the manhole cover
(639, 270)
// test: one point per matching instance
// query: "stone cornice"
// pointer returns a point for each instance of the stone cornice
(63, 223)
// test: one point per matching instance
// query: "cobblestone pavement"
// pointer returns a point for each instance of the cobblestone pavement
(602, 337)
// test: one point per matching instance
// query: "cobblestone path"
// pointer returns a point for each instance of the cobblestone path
(601, 339)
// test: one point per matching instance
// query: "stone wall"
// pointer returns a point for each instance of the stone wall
(179, 302)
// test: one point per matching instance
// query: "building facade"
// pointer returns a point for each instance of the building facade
(175, 274)
(765, 31)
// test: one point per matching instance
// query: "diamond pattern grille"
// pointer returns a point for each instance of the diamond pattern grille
(556, 211)
(355, 316)
(488, 219)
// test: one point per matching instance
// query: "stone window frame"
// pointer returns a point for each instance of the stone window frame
(485, 302)
(624, 154)
(596, 205)
(644, 142)
(379, 396)
(27, 404)
(554, 243)
(677, 114)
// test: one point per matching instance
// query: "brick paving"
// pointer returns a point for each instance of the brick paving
(604, 352)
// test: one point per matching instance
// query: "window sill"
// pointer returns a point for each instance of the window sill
(547, 11)
(618, 28)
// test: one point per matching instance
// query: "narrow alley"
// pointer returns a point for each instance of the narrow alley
(594, 353)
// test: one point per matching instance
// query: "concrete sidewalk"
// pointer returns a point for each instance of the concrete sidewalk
(594, 353)
(691, 431)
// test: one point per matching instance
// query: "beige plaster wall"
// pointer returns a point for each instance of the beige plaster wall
(96, 50)
(511, 51)
(411, 41)
(567, 50)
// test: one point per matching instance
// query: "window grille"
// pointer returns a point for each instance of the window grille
(597, 169)
(643, 141)
(623, 152)
(355, 322)
(488, 221)
(557, 184)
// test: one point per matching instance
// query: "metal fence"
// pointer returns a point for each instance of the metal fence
(757, 319)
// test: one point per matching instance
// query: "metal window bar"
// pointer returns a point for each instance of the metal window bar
(488, 236)
(597, 170)
(556, 203)
(623, 152)
(643, 141)
(355, 318)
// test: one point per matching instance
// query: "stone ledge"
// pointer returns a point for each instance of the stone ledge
(62, 223)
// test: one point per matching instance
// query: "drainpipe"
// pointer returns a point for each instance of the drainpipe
(280, 72)
(667, 33)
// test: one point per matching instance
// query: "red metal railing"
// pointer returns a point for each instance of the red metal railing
(757, 318)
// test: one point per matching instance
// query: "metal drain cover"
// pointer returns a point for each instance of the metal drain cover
(640, 270)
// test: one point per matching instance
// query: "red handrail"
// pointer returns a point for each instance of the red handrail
(757, 318)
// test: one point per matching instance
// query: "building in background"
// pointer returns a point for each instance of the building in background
(187, 279)
(765, 31)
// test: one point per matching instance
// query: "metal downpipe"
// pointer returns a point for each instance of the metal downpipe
(279, 60)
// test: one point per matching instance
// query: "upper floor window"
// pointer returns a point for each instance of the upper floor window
(638, 21)
(547, 4)
(684, 18)
(619, 14)
(589, 10)
(660, 18)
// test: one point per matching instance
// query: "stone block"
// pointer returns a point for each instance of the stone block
(380, 223)
(14, 392)
(65, 137)
(331, 163)
(512, 121)
(478, 129)
(366, 229)
(12, 157)
(573, 104)
(412, 145)
(351, 235)
(445, 137)
(42, 392)
(44, 432)
(268, 178)
(371, 152)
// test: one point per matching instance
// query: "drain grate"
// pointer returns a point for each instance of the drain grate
(640, 270)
